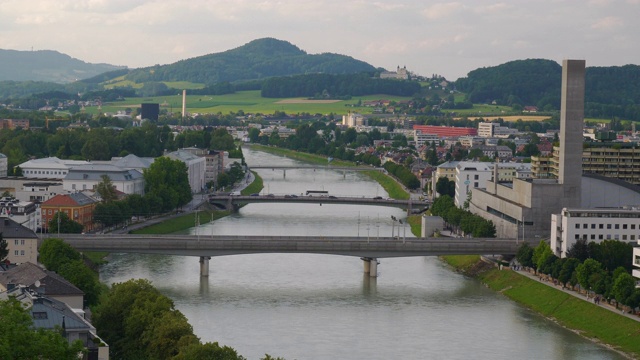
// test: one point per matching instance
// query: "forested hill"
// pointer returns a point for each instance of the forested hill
(258, 59)
(609, 91)
(47, 65)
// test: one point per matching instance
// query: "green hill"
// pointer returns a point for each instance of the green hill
(47, 66)
(259, 59)
(610, 91)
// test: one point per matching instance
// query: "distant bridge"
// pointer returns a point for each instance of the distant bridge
(344, 169)
(368, 248)
(229, 201)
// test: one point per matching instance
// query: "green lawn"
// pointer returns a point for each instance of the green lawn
(255, 187)
(183, 222)
(247, 101)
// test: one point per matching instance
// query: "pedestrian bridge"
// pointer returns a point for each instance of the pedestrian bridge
(367, 248)
(228, 201)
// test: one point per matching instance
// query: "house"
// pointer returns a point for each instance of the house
(51, 314)
(78, 207)
(49, 168)
(22, 212)
(196, 168)
(22, 242)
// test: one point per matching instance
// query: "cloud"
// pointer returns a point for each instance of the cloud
(607, 23)
(441, 10)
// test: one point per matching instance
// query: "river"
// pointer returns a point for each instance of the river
(306, 306)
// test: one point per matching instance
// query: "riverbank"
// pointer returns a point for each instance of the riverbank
(583, 317)
(390, 185)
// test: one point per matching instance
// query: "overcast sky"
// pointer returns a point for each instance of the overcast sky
(446, 38)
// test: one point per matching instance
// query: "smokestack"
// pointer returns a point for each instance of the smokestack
(184, 104)
(571, 125)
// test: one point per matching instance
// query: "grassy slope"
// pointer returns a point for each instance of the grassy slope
(589, 320)
(182, 222)
(255, 187)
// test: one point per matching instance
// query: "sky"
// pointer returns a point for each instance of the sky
(428, 37)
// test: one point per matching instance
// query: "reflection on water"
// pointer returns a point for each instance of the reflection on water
(309, 306)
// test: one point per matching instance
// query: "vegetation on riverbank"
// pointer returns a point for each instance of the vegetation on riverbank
(585, 318)
(183, 222)
(255, 187)
(391, 186)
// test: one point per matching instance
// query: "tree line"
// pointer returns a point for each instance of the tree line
(601, 268)
(461, 219)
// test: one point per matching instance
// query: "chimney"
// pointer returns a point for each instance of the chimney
(184, 104)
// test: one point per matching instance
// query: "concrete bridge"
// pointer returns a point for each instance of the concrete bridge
(229, 201)
(368, 249)
(344, 169)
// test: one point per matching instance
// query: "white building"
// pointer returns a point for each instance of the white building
(423, 138)
(196, 168)
(491, 129)
(38, 191)
(352, 119)
(470, 175)
(594, 225)
(87, 177)
(49, 168)
(3, 165)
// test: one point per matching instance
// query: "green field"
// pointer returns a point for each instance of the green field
(247, 101)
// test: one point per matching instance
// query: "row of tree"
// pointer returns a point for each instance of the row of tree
(603, 268)
(460, 219)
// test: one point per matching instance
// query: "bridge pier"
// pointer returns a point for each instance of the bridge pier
(370, 266)
(204, 265)
(284, 173)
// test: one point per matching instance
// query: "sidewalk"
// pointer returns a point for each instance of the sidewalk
(602, 304)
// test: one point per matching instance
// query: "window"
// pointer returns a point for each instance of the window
(49, 211)
(616, 237)
(593, 236)
(624, 226)
(593, 226)
(600, 226)
(73, 186)
(16, 241)
(584, 226)
(22, 242)
(577, 237)
(600, 237)
(608, 236)
(475, 177)
(617, 226)
(16, 253)
(577, 226)
(21, 252)
(624, 237)
(633, 237)
(608, 226)
(475, 184)
(633, 226)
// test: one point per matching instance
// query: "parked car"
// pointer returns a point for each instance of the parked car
(377, 198)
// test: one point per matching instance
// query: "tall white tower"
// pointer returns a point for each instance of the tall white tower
(184, 104)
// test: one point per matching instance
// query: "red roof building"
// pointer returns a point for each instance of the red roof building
(78, 207)
(446, 131)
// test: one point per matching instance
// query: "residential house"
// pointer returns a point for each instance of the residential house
(87, 177)
(196, 168)
(22, 242)
(78, 207)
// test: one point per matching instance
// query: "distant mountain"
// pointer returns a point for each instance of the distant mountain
(610, 91)
(258, 59)
(47, 65)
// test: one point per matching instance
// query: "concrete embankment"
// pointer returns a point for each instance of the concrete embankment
(585, 318)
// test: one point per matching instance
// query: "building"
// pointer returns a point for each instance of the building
(616, 160)
(353, 120)
(401, 73)
(22, 212)
(470, 175)
(78, 207)
(196, 168)
(14, 123)
(4, 161)
(132, 162)
(492, 129)
(51, 314)
(446, 170)
(422, 139)
(493, 151)
(529, 203)
(49, 168)
(87, 177)
(214, 162)
(446, 131)
(593, 225)
(22, 242)
(38, 191)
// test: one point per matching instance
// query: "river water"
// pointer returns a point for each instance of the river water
(306, 306)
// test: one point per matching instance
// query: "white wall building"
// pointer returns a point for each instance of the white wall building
(470, 175)
(196, 168)
(3, 165)
(594, 225)
(49, 168)
(490, 129)
(88, 177)
(423, 138)
(352, 119)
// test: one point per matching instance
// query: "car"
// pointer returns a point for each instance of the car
(332, 197)
(377, 198)
(270, 195)
(293, 196)
(255, 194)
(287, 196)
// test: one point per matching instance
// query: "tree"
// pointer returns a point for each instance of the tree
(623, 287)
(54, 253)
(579, 250)
(21, 341)
(67, 226)
(168, 180)
(77, 273)
(568, 270)
(208, 351)
(4, 252)
(540, 254)
(106, 189)
(524, 255)
(585, 273)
